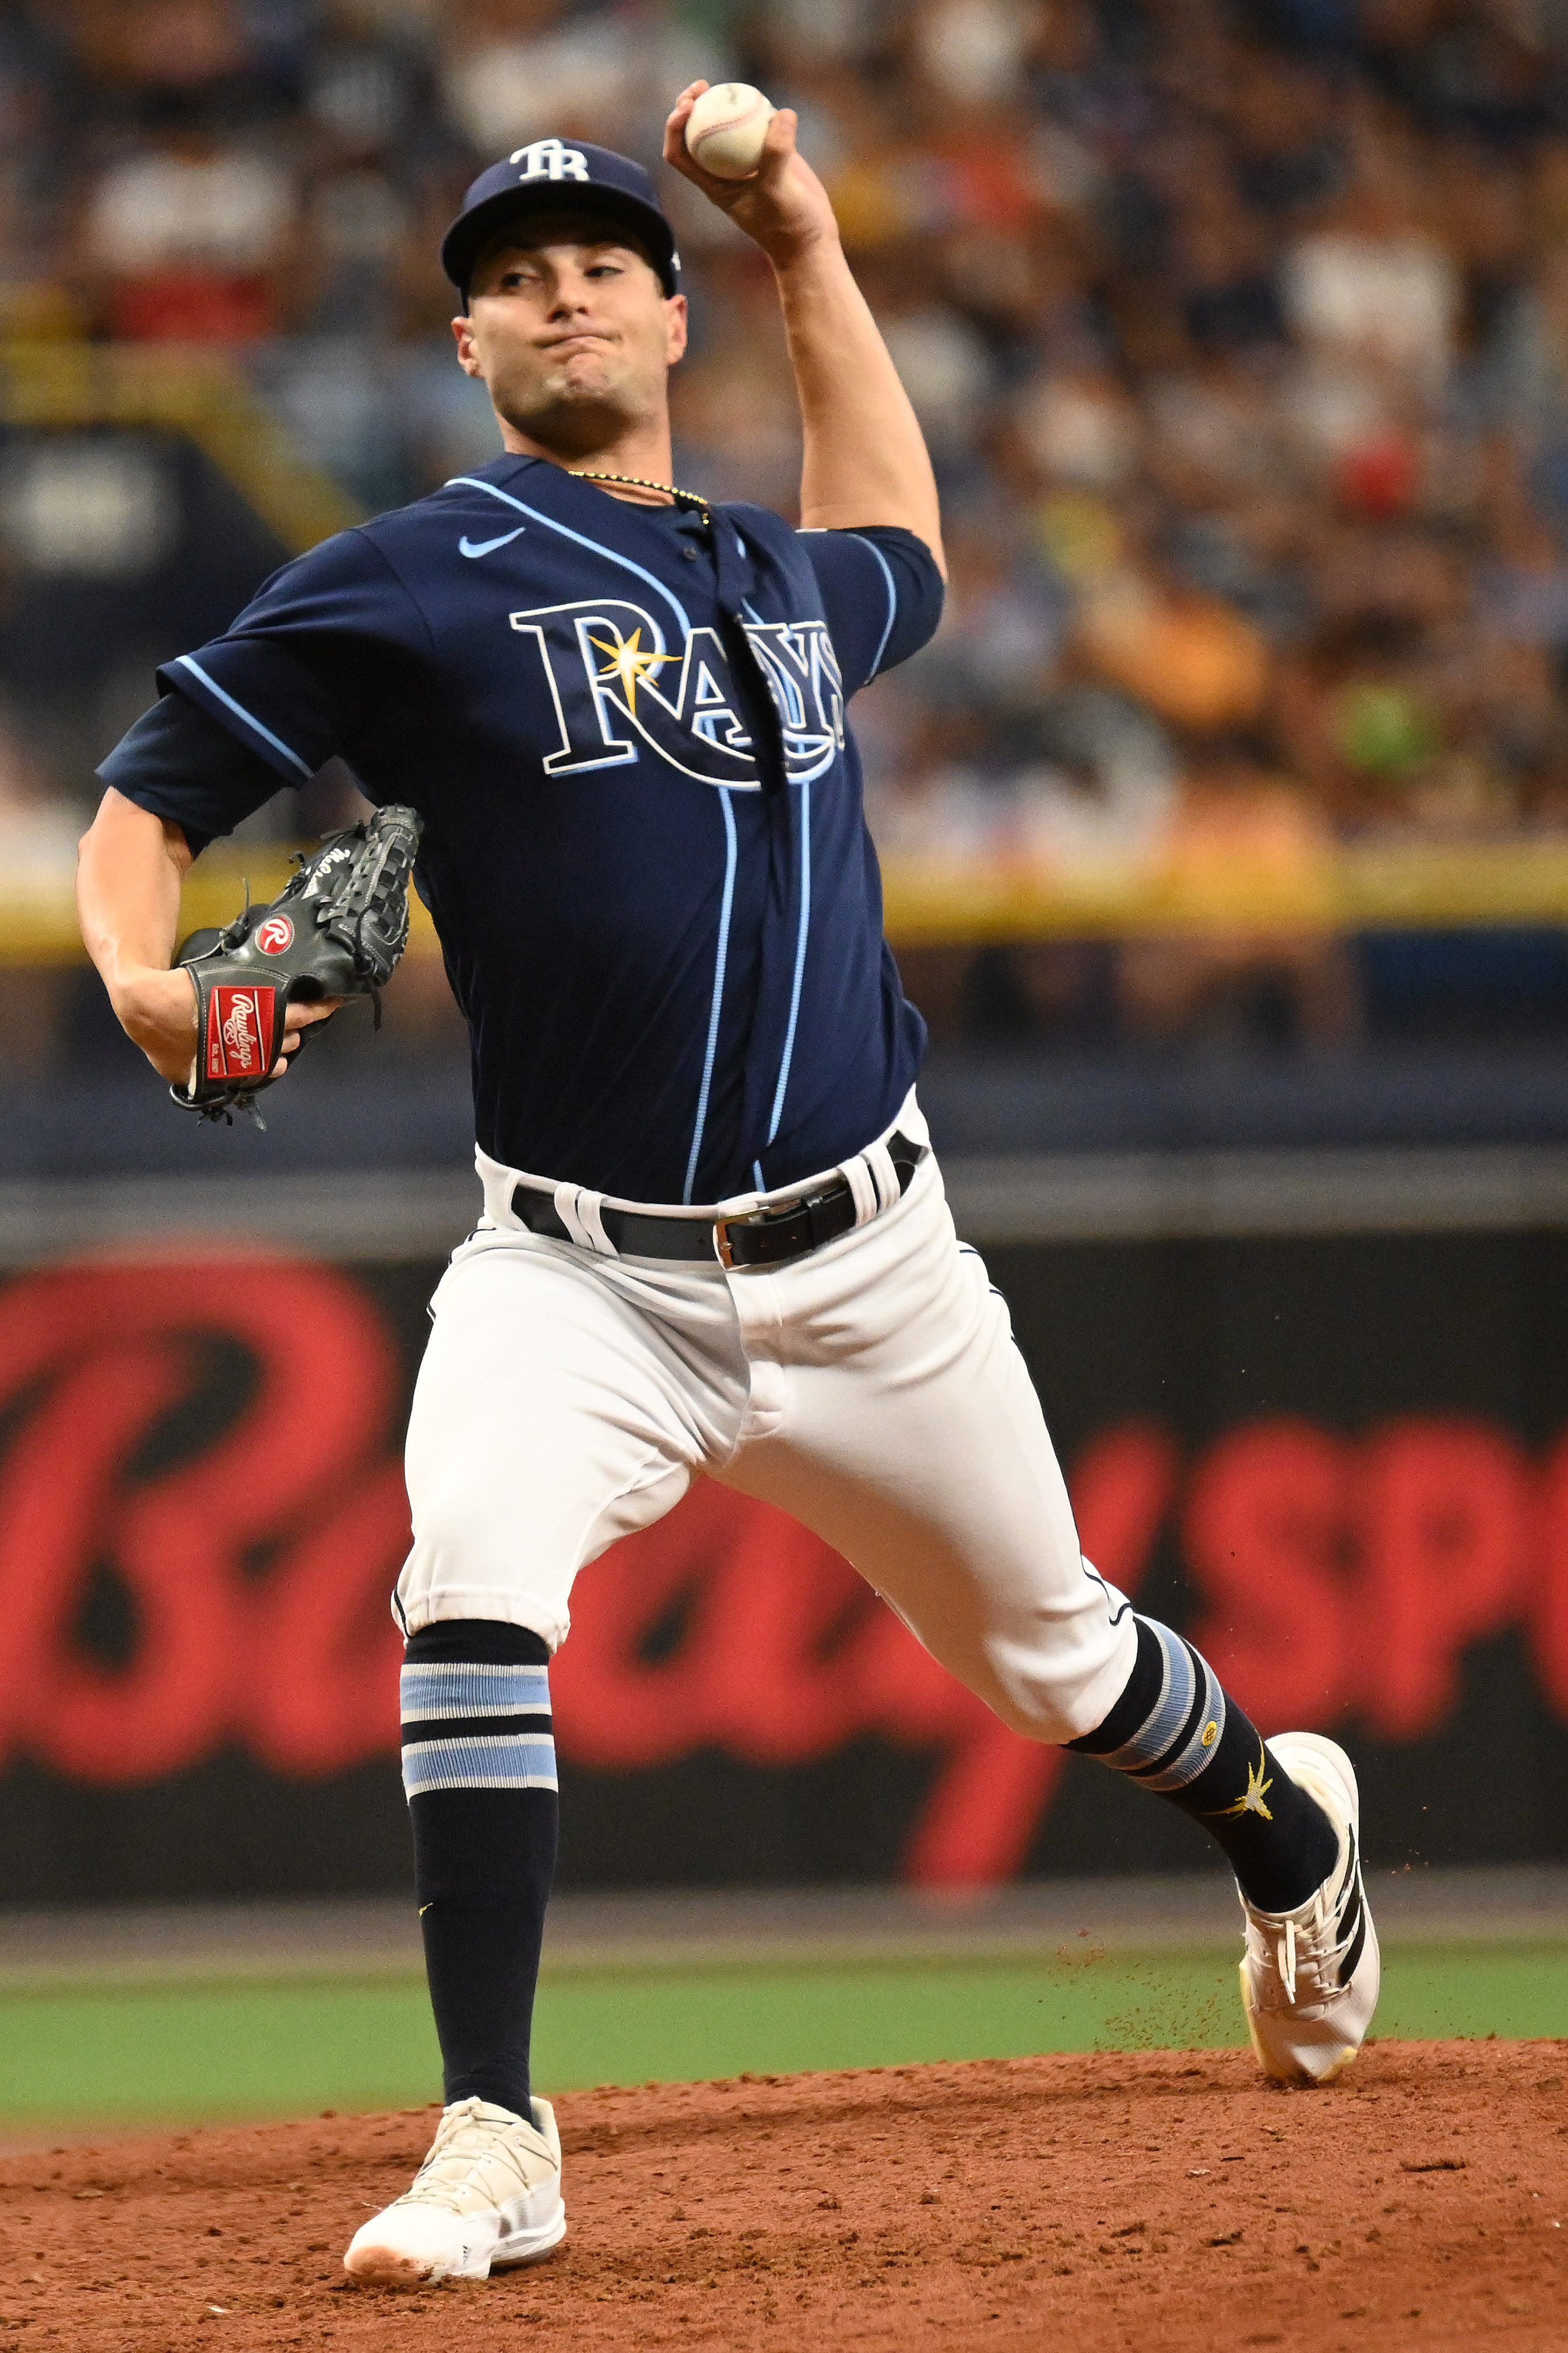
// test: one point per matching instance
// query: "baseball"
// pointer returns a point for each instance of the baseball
(726, 129)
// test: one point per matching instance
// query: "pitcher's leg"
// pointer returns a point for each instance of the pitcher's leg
(479, 1771)
(920, 1450)
(911, 1439)
(921, 1454)
(551, 1416)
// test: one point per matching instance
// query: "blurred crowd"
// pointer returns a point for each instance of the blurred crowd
(1238, 329)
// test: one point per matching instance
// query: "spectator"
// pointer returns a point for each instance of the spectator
(1240, 336)
(189, 237)
(1252, 844)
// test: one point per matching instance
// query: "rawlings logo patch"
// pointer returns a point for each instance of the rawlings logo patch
(239, 1033)
(274, 935)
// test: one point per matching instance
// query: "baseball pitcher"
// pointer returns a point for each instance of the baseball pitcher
(714, 1238)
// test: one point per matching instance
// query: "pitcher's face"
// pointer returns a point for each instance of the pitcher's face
(571, 331)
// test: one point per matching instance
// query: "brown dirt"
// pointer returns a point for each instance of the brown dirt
(1102, 2205)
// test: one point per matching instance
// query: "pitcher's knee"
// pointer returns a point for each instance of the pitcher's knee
(1055, 1691)
(469, 1564)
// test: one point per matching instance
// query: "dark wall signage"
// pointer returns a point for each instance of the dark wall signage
(1340, 1466)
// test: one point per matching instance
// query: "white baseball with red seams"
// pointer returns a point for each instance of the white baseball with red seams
(726, 129)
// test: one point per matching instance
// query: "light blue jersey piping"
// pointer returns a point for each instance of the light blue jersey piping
(892, 603)
(720, 960)
(212, 686)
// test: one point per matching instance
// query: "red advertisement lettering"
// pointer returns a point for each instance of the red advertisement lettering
(1550, 1614)
(1444, 1529)
(239, 1619)
(621, 1697)
(1267, 1533)
(62, 1507)
(332, 1698)
(213, 1443)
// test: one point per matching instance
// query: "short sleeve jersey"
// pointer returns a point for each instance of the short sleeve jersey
(645, 851)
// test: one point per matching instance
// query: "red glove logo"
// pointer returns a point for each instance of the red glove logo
(275, 934)
(239, 1033)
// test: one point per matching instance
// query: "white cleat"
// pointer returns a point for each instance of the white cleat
(1309, 1977)
(488, 2194)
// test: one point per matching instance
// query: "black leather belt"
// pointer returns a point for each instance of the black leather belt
(756, 1237)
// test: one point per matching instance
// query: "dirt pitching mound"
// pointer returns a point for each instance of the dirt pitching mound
(1089, 2205)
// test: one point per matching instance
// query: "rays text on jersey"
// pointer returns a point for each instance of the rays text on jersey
(617, 687)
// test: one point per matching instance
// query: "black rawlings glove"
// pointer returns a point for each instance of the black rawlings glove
(337, 929)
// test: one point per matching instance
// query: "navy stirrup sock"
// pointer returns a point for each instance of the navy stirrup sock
(479, 1767)
(1175, 1730)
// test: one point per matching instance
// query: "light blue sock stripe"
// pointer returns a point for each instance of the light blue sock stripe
(1186, 1672)
(799, 958)
(512, 1761)
(1167, 1714)
(892, 603)
(183, 661)
(720, 960)
(1195, 1755)
(467, 1688)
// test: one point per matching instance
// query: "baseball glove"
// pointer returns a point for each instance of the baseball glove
(337, 929)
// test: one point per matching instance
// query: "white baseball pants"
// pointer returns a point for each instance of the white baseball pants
(874, 1389)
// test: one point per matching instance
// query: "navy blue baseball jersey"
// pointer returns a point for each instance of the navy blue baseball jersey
(645, 851)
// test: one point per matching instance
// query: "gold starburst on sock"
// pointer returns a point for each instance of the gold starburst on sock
(1257, 1787)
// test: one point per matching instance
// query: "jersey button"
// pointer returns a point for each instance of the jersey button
(690, 554)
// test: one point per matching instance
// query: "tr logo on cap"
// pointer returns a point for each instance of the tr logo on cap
(548, 160)
(543, 176)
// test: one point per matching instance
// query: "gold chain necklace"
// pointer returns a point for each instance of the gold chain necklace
(638, 482)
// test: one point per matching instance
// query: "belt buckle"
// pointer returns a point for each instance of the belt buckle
(722, 1243)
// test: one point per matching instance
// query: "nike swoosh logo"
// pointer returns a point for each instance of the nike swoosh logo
(488, 546)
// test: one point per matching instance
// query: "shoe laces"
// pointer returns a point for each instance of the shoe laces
(473, 2135)
(1304, 1947)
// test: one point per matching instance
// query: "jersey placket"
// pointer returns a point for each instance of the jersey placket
(772, 1038)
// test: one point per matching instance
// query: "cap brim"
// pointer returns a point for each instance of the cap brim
(473, 231)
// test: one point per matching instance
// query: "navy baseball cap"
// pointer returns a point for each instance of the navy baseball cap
(560, 175)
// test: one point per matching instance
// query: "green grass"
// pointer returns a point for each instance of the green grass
(249, 2049)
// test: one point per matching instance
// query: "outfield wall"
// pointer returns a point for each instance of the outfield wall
(1328, 1438)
